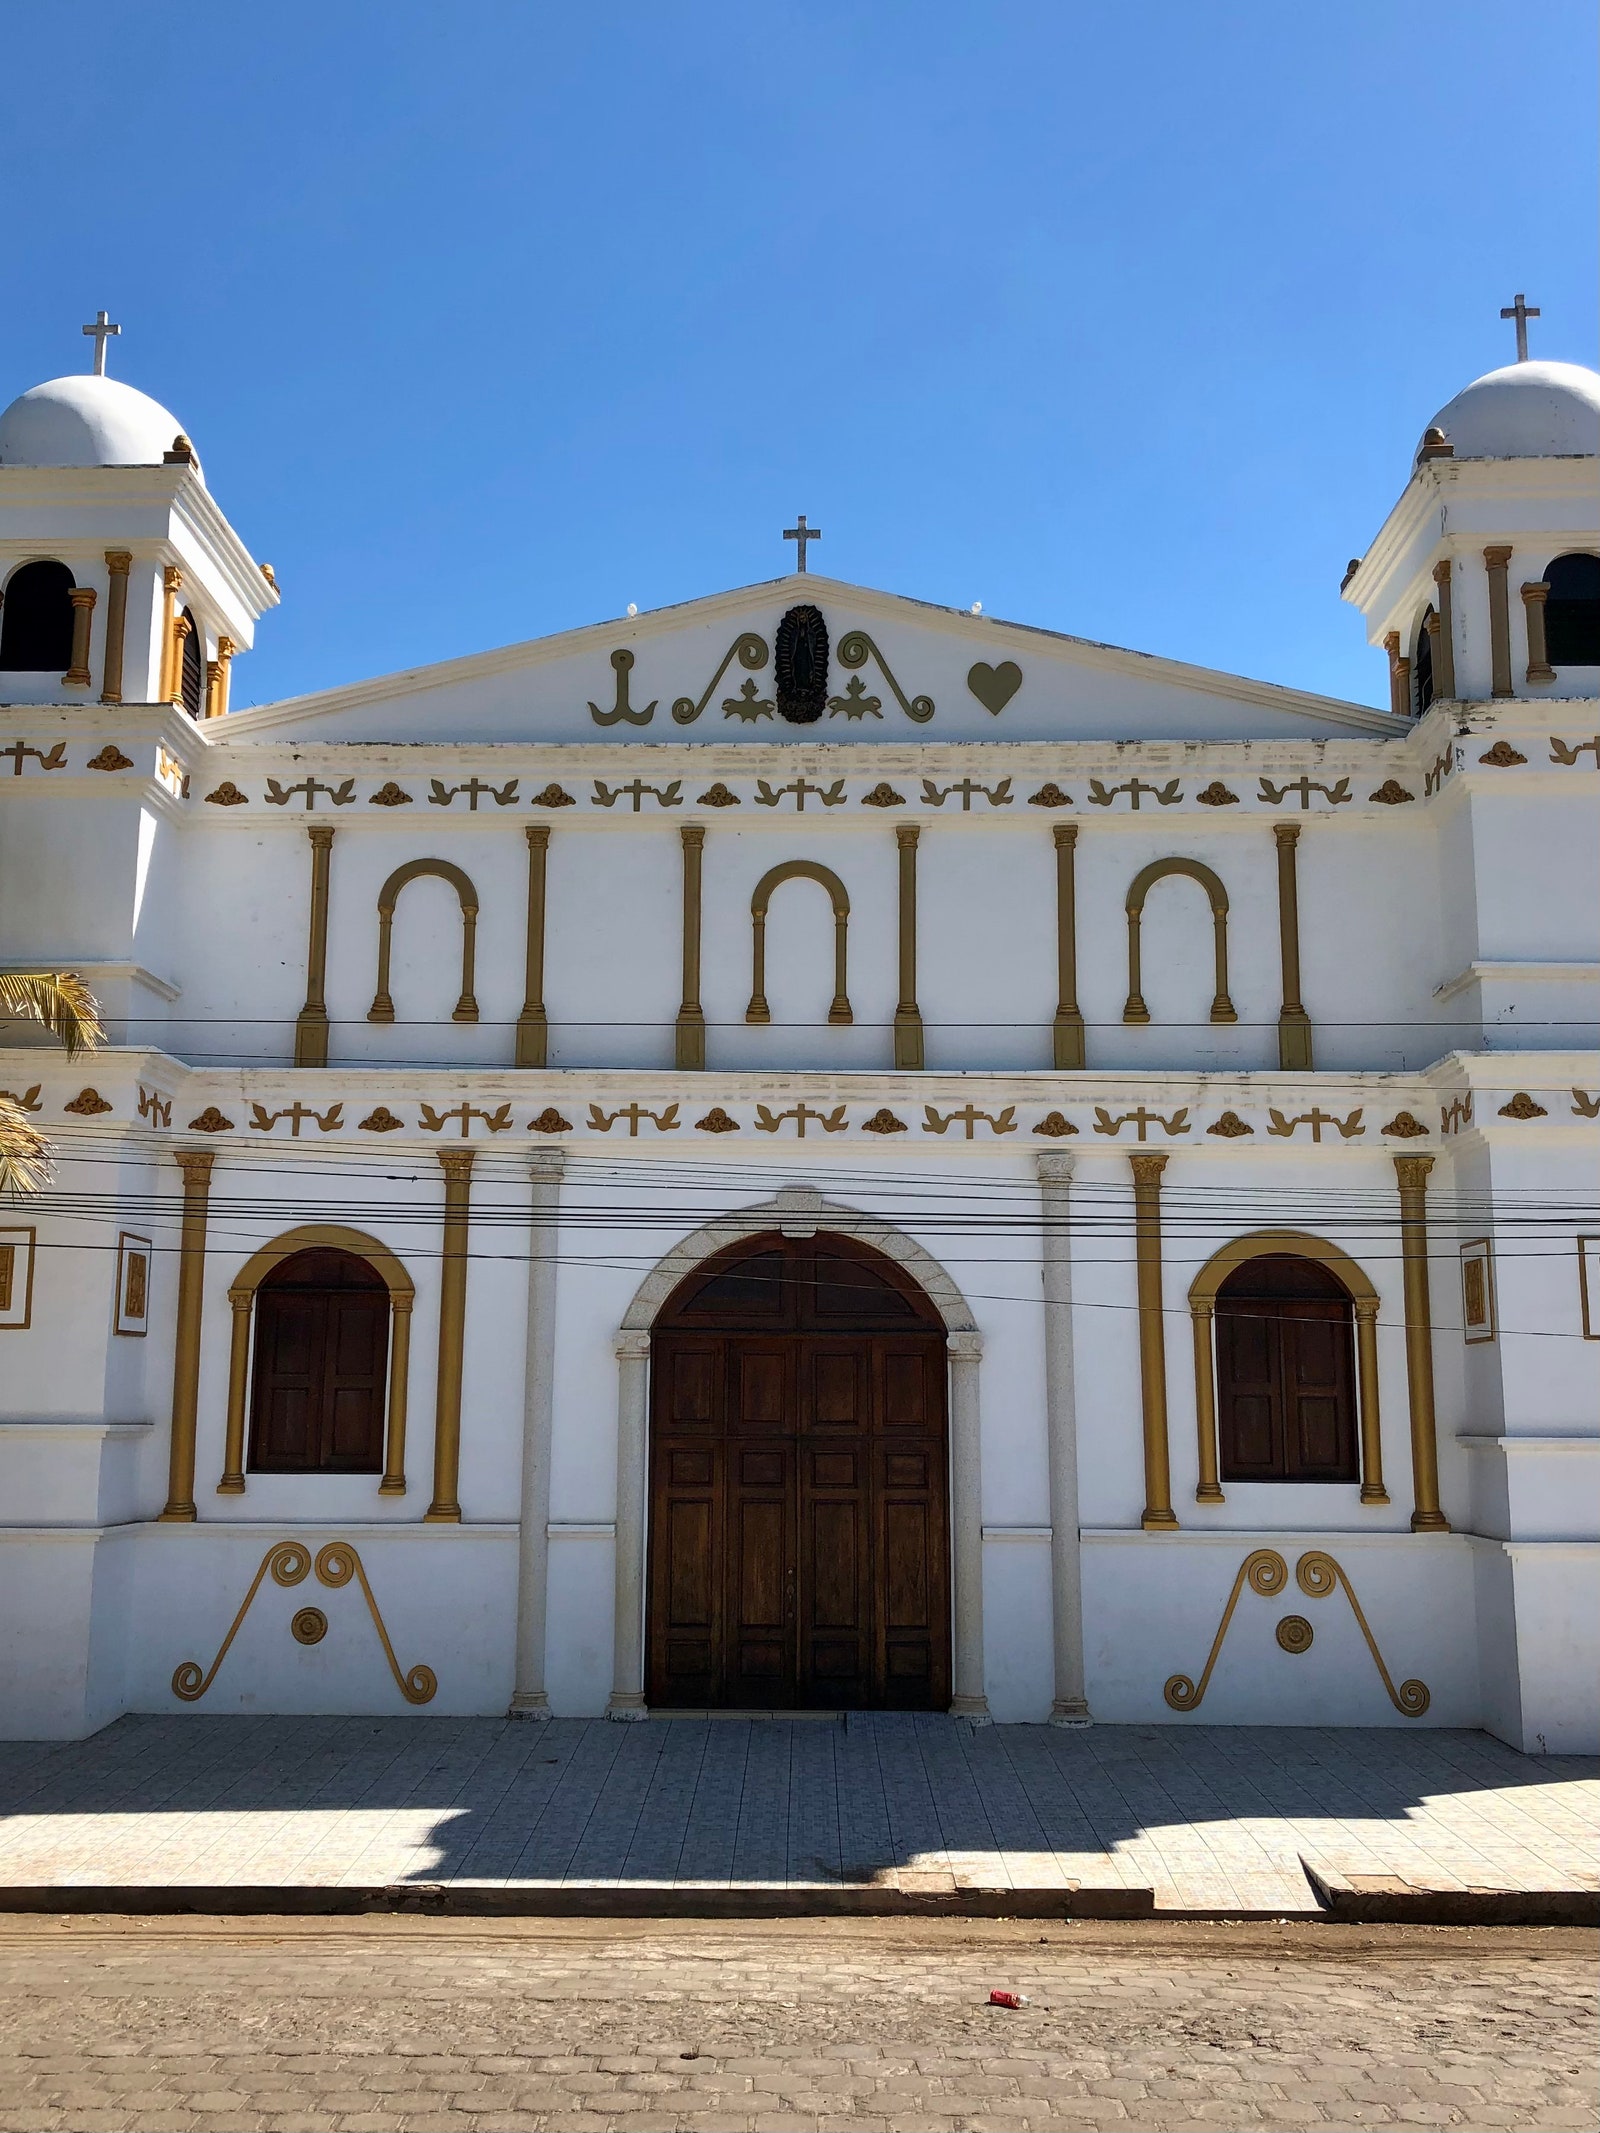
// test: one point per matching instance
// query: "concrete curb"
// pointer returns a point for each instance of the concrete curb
(1385, 1899)
(442, 1900)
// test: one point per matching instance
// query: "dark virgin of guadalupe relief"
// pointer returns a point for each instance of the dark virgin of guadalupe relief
(800, 666)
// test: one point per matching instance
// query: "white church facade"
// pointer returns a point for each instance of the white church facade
(806, 1150)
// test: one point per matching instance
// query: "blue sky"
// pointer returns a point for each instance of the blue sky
(488, 319)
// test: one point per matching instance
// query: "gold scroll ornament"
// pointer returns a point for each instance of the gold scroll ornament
(288, 1564)
(1266, 1572)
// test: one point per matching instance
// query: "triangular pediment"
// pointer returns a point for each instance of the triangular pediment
(898, 669)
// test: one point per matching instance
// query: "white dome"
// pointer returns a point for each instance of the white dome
(86, 421)
(1526, 411)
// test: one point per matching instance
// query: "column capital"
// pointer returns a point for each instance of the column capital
(692, 832)
(321, 834)
(195, 1163)
(119, 561)
(537, 833)
(1412, 1171)
(1497, 556)
(545, 1165)
(1441, 572)
(1066, 833)
(1054, 1169)
(172, 577)
(1147, 1169)
(85, 595)
(907, 833)
(456, 1163)
(632, 1347)
(1534, 594)
(1286, 832)
(965, 1347)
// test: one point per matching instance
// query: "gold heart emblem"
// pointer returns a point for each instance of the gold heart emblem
(994, 687)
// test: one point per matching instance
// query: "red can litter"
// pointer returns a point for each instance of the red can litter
(1008, 1999)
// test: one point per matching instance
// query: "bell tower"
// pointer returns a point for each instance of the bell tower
(1483, 583)
(120, 579)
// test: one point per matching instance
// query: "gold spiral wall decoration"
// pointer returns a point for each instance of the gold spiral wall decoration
(289, 1563)
(1317, 1575)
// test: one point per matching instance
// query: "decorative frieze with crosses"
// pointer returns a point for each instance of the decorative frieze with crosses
(1349, 1128)
(969, 788)
(768, 795)
(969, 1117)
(443, 795)
(51, 759)
(330, 1121)
(1142, 1120)
(1456, 1114)
(608, 795)
(664, 1121)
(1569, 752)
(497, 1121)
(1167, 795)
(154, 1106)
(1274, 795)
(833, 1121)
(342, 794)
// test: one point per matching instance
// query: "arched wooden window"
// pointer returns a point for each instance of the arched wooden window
(1422, 662)
(36, 620)
(321, 1350)
(1572, 611)
(192, 674)
(1286, 1407)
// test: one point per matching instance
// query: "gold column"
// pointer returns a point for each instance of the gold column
(232, 1482)
(1533, 599)
(456, 1163)
(1205, 1404)
(223, 664)
(689, 1044)
(1411, 1171)
(119, 561)
(171, 586)
(1444, 644)
(1294, 1024)
(907, 1014)
(182, 631)
(1068, 1034)
(311, 1026)
(1399, 677)
(196, 1168)
(1372, 1488)
(532, 1025)
(1158, 1513)
(1496, 560)
(394, 1439)
(77, 674)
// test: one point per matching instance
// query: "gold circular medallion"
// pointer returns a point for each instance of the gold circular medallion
(310, 1626)
(1294, 1633)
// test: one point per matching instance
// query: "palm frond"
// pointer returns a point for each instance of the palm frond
(24, 1152)
(58, 999)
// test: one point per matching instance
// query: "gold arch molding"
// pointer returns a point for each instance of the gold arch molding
(324, 1236)
(774, 878)
(1222, 1009)
(1265, 1571)
(1203, 1292)
(466, 1008)
(288, 1564)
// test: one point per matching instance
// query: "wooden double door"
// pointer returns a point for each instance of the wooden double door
(799, 1521)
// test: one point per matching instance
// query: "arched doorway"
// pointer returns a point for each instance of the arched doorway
(321, 1351)
(799, 1484)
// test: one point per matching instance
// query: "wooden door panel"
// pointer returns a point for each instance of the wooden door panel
(1249, 1392)
(1317, 1392)
(290, 1330)
(353, 1374)
(799, 1521)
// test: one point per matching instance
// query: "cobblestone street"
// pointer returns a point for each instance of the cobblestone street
(406, 2025)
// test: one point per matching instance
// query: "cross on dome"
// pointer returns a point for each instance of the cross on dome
(102, 330)
(1521, 311)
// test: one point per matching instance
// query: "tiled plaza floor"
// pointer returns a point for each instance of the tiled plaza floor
(1208, 1817)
